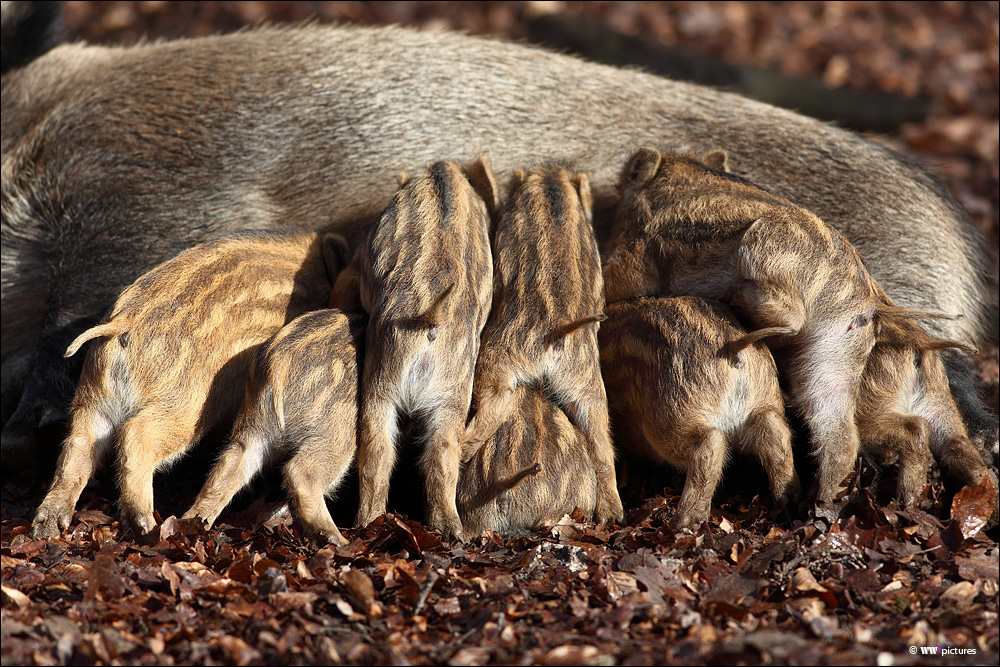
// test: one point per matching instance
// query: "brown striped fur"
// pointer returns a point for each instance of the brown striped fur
(302, 396)
(534, 468)
(170, 362)
(679, 394)
(424, 275)
(905, 408)
(685, 227)
(547, 291)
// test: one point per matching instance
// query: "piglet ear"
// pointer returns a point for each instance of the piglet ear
(897, 327)
(516, 181)
(717, 159)
(403, 178)
(480, 174)
(641, 167)
(346, 292)
(582, 183)
(336, 254)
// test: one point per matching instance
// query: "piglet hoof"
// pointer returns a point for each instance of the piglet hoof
(365, 518)
(193, 519)
(786, 514)
(143, 529)
(450, 527)
(826, 514)
(50, 520)
(609, 511)
(793, 494)
(682, 521)
(320, 532)
(333, 538)
(910, 501)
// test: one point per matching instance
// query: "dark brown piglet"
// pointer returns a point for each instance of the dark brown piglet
(682, 392)
(170, 361)
(302, 396)
(905, 407)
(548, 297)
(534, 468)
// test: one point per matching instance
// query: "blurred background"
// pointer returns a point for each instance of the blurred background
(922, 77)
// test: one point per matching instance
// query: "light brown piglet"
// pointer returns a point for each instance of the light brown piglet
(548, 296)
(681, 391)
(535, 468)
(170, 360)
(302, 396)
(424, 275)
(689, 227)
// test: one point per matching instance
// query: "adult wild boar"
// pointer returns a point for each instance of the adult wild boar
(115, 159)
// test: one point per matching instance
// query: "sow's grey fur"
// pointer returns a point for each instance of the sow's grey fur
(115, 159)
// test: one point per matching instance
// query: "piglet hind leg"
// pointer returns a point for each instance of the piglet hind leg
(708, 456)
(779, 312)
(949, 438)
(767, 436)
(145, 442)
(835, 445)
(243, 459)
(315, 470)
(376, 456)
(907, 436)
(824, 376)
(440, 462)
(586, 404)
(89, 438)
(960, 456)
(963, 460)
(493, 403)
(836, 450)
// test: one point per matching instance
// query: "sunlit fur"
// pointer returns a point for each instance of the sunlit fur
(679, 394)
(170, 362)
(301, 397)
(115, 158)
(534, 468)
(548, 298)
(424, 275)
(683, 227)
(905, 408)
